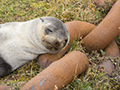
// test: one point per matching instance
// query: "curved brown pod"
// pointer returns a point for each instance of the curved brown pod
(105, 32)
(79, 29)
(112, 50)
(76, 29)
(46, 59)
(59, 73)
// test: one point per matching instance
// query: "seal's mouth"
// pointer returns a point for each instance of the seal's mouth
(50, 46)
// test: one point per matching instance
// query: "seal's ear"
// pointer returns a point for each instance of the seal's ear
(41, 19)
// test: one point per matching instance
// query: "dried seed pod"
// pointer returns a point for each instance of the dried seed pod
(112, 50)
(46, 59)
(59, 73)
(105, 32)
(79, 29)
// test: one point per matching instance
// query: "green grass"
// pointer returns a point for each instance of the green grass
(65, 10)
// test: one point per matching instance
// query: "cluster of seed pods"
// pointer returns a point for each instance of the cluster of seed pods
(61, 72)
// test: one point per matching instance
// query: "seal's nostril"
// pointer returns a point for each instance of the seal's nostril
(66, 40)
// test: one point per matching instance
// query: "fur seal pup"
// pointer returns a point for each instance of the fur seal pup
(21, 42)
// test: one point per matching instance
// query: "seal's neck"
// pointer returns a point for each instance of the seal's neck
(33, 33)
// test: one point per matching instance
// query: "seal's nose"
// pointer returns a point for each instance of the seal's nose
(57, 43)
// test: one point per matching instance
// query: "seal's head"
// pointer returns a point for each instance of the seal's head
(54, 34)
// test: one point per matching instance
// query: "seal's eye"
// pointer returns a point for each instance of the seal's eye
(47, 31)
